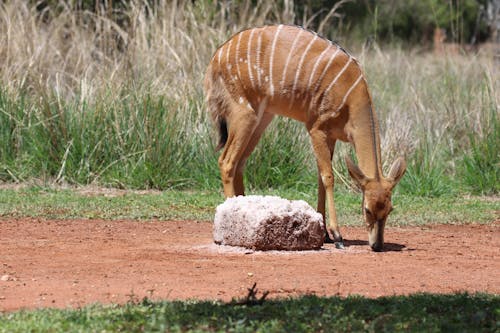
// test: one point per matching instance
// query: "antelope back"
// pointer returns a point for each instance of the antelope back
(296, 70)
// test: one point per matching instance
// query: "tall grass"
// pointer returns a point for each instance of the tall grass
(116, 99)
(481, 165)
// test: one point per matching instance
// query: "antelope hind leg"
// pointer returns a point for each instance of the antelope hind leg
(254, 140)
(241, 122)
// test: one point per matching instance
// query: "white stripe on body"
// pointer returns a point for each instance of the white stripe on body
(316, 64)
(290, 53)
(219, 55)
(259, 45)
(349, 92)
(315, 67)
(250, 75)
(299, 69)
(228, 63)
(237, 56)
(271, 59)
(338, 75)
(325, 70)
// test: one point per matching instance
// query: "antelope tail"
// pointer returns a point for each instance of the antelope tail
(218, 119)
(222, 133)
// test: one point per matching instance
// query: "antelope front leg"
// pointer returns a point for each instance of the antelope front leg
(322, 195)
(321, 199)
(334, 228)
(323, 153)
(321, 206)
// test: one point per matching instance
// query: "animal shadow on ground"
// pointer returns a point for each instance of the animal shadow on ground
(388, 247)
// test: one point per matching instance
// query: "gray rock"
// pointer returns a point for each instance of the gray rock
(268, 223)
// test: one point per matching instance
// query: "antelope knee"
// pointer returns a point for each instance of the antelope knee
(327, 180)
(227, 170)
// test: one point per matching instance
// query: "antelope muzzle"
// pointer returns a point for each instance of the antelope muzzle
(376, 235)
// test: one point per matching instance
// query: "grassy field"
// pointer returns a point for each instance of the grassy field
(416, 313)
(99, 203)
(85, 100)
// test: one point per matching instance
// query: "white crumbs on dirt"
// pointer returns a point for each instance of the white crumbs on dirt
(268, 223)
(218, 249)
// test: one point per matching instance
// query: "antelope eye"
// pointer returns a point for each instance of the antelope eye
(368, 212)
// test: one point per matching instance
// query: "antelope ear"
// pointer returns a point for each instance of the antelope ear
(356, 174)
(398, 169)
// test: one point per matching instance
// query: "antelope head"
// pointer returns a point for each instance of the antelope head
(376, 198)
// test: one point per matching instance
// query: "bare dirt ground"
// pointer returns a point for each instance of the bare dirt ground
(71, 263)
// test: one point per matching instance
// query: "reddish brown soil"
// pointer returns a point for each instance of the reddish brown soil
(70, 263)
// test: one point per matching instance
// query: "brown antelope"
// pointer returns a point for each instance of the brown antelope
(290, 71)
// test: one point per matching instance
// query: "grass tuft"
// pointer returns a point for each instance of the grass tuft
(425, 176)
(481, 165)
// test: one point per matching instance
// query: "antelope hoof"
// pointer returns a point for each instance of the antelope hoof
(340, 245)
(328, 239)
(337, 239)
(377, 247)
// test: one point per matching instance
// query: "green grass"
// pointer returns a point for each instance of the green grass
(426, 177)
(200, 205)
(481, 165)
(138, 142)
(145, 142)
(63, 204)
(415, 313)
(123, 106)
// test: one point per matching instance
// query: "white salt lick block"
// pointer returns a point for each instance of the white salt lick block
(268, 223)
